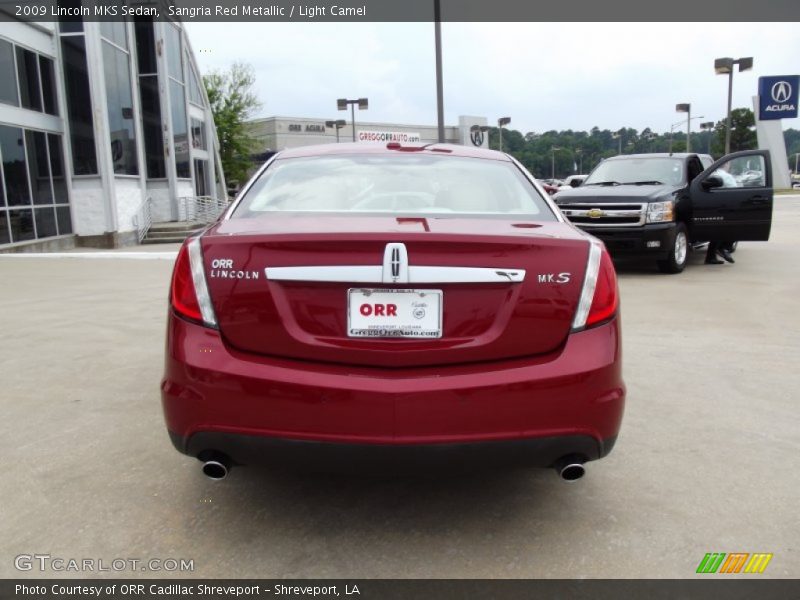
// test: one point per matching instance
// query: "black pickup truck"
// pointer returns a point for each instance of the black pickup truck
(659, 205)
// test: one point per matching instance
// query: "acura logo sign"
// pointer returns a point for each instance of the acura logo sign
(781, 91)
(476, 135)
(778, 96)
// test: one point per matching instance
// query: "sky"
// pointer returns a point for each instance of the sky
(545, 76)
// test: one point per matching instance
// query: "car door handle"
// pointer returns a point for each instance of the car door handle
(757, 200)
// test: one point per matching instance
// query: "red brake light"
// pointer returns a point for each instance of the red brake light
(183, 295)
(606, 293)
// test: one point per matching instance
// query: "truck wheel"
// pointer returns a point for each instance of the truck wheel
(676, 261)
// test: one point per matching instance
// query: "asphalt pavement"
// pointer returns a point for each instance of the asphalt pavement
(707, 460)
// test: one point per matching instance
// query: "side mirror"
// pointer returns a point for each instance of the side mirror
(713, 181)
(575, 183)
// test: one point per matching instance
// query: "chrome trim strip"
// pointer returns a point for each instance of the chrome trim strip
(347, 274)
(589, 283)
(199, 281)
(613, 210)
(375, 274)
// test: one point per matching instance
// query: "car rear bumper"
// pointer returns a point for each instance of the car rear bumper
(528, 410)
(653, 240)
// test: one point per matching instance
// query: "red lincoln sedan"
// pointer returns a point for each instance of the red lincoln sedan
(393, 302)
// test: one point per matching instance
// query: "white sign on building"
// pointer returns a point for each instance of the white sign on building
(388, 136)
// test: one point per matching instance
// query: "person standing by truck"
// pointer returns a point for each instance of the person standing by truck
(723, 249)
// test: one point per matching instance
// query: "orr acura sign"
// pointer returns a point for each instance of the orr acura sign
(778, 97)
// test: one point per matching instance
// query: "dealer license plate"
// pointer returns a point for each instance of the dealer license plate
(394, 313)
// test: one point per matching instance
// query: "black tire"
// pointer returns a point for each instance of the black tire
(678, 254)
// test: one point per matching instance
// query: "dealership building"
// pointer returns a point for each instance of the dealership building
(105, 128)
(279, 133)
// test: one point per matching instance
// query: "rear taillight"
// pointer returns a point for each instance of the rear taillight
(189, 293)
(600, 296)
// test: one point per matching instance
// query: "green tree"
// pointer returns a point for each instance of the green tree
(743, 134)
(232, 102)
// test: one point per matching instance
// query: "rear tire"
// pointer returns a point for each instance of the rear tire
(676, 261)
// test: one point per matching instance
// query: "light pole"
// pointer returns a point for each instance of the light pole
(553, 162)
(796, 156)
(338, 124)
(500, 122)
(707, 126)
(437, 34)
(617, 135)
(687, 108)
(363, 104)
(579, 153)
(674, 125)
(724, 66)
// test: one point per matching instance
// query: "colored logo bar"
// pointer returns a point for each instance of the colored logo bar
(734, 562)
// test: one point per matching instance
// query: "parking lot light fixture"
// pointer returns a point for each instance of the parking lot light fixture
(708, 126)
(687, 108)
(724, 66)
(338, 124)
(479, 129)
(617, 135)
(500, 123)
(363, 104)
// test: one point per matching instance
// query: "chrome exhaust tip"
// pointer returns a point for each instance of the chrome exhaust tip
(216, 469)
(570, 469)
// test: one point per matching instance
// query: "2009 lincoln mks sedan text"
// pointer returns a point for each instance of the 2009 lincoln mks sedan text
(393, 302)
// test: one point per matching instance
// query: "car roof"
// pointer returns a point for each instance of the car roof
(391, 149)
(655, 155)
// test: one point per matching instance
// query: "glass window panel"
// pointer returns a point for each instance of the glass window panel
(200, 180)
(114, 31)
(174, 65)
(38, 167)
(198, 135)
(12, 149)
(152, 127)
(745, 171)
(28, 72)
(145, 47)
(119, 100)
(70, 24)
(60, 195)
(21, 222)
(64, 220)
(8, 89)
(180, 130)
(45, 222)
(48, 85)
(5, 236)
(194, 88)
(79, 105)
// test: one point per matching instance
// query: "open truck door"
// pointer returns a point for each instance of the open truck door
(732, 199)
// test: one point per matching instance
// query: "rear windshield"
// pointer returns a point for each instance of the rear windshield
(634, 170)
(407, 184)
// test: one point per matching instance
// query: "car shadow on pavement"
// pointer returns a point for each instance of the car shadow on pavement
(397, 502)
